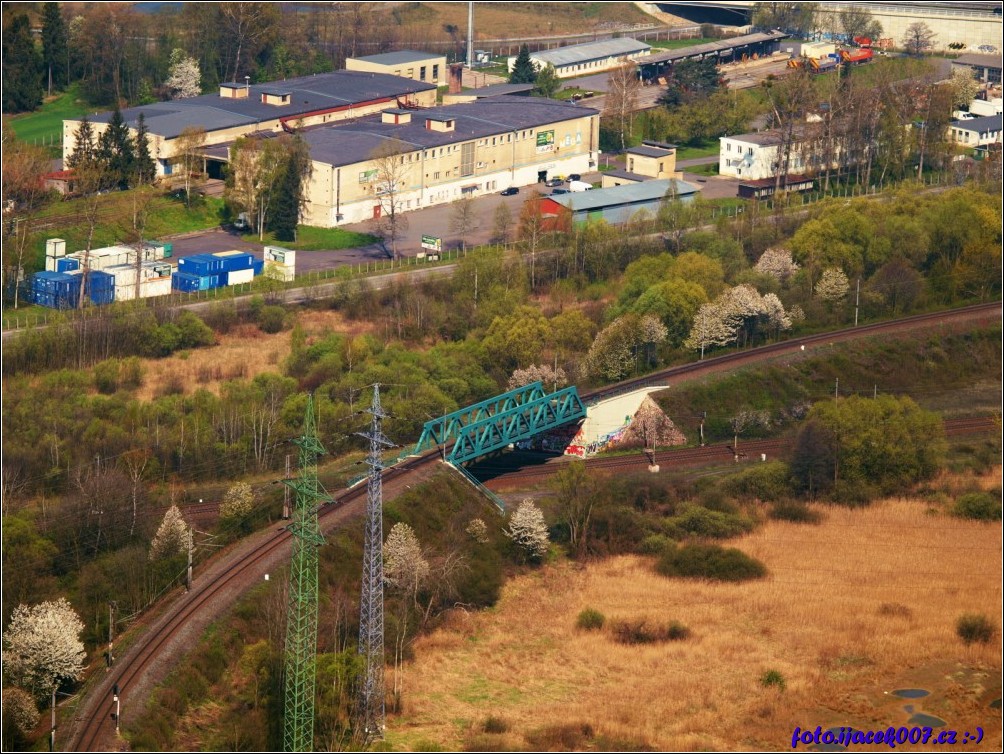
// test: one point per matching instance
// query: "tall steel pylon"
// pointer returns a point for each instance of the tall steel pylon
(371, 702)
(301, 618)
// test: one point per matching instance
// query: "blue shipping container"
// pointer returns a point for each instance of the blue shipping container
(67, 264)
(185, 282)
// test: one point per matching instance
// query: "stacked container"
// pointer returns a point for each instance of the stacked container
(280, 262)
(55, 251)
(56, 290)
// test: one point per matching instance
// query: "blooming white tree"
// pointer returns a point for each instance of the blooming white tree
(736, 316)
(42, 646)
(20, 710)
(173, 535)
(404, 566)
(616, 348)
(777, 263)
(478, 530)
(528, 529)
(833, 285)
(238, 501)
(538, 373)
(184, 77)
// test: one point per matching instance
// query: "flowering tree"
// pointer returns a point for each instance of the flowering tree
(19, 710)
(777, 263)
(478, 530)
(405, 567)
(833, 285)
(538, 373)
(173, 535)
(735, 317)
(42, 646)
(184, 78)
(614, 353)
(528, 530)
(238, 501)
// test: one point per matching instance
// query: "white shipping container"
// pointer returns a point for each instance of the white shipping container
(55, 247)
(50, 263)
(280, 256)
(125, 274)
(284, 272)
(240, 276)
(156, 287)
(125, 292)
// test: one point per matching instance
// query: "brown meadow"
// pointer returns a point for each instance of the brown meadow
(853, 608)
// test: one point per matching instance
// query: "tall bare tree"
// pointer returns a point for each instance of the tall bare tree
(788, 100)
(189, 148)
(23, 195)
(919, 38)
(622, 99)
(464, 219)
(389, 183)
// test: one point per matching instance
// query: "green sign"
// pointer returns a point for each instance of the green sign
(432, 243)
(545, 141)
(368, 176)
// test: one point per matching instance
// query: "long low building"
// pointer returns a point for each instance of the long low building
(241, 109)
(591, 57)
(405, 159)
(617, 204)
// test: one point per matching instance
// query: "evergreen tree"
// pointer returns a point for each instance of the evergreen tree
(523, 70)
(115, 150)
(83, 145)
(690, 81)
(144, 168)
(55, 40)
(22, 67)
(285, 214)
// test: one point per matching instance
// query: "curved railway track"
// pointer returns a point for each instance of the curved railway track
(222, 581)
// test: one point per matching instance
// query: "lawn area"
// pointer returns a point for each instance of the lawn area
(709, 169)
(45, 125)
(706, 149)
(676, 44)
(310, 238)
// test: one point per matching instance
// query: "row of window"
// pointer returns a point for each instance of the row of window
(728, 148)
(495, 141)
(421, 73)
(602, 63)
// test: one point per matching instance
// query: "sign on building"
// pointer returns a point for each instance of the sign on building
(368, 176)
(545, 141)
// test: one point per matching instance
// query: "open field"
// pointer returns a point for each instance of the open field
(45, 125)
(863, 604)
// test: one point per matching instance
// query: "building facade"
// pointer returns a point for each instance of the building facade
(241, 109)
(403, 159)
(617, 204)
(426, 67)
(592, 57)
(976, 132)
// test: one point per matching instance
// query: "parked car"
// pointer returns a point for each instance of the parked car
(511, 191)
(560, 191)
(554, 182)
(574, 177)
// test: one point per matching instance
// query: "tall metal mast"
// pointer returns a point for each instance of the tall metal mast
(371, 703)
(301, 617)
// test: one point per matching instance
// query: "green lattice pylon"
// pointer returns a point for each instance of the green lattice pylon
(301, 618)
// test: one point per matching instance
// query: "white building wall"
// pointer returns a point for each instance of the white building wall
(745, 160)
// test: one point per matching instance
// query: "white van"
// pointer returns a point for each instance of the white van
(579, 186)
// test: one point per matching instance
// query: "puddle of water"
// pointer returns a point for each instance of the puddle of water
(995, 704)
(910, 693)
(908, 708)
(922, 718)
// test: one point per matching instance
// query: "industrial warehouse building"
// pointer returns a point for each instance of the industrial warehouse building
(419, 158)
(592, 57)
(241, 109)
(617, 204)
(420, 66)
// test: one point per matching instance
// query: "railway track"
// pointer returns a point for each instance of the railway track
(221, 583)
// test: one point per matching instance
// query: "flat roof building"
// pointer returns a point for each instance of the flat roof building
(427, 67)
(986, 68)
(617, 204)
(592, 57)
(976, 132)
(240, 109)
(418, 158)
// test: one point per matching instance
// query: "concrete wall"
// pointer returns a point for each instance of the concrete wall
(349, 194)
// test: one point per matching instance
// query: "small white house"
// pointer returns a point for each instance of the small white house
(752, 157)
(976, 132)
(591, 57)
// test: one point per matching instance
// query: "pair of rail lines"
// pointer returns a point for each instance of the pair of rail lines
(222, 582)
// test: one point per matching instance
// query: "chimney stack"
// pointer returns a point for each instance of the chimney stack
(456, 78)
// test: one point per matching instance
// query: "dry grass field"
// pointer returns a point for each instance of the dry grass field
(241, 354)
(853, 608)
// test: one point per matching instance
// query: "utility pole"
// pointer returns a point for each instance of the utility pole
(285, 493)
(301, 618)
(857, 301)
(188, 571)
(372, 709)
(112, 608)
(836, 389)
(52, 730)
(470, 35)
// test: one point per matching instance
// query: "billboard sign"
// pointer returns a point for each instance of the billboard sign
(545, 141)
(432, 243)
(368, 176)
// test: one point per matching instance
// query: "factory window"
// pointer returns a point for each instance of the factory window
(435, 72)
(435, 176)
(421, 72)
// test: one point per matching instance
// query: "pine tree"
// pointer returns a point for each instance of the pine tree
(115, 150)
(523, 70)
(22, 67)
(54, 45)
(144, 167)
(285, 213)
(83, 145)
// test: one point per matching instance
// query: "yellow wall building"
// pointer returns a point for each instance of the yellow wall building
(420, 66)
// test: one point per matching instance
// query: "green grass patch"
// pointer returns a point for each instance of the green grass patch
(44, 127)
(310, 238)
(710, 168)
(676, 44)
(704, 149)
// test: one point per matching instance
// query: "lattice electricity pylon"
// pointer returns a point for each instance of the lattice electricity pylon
(371, 702)
(301, 619)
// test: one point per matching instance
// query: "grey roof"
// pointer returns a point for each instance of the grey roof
(308, 93)
(591, 51)
(630, 193)
(647, 151)
(497, 90)
(351, 142)
(627, 175)
(401, 57)
(980, 125)
(980, 61)
(709, 47)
